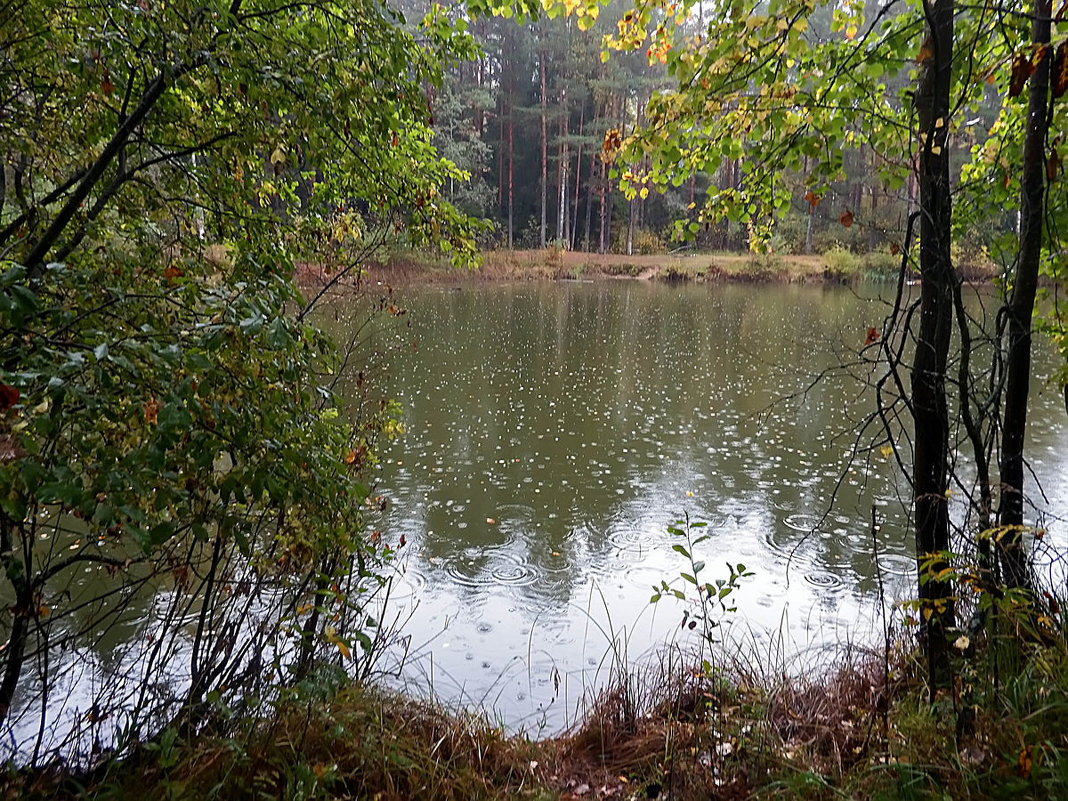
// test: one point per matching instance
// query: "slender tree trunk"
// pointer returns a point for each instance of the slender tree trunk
(578, 184)
(808, 229)
(604, 208)
(930, 412)
(561, 205)
(1020, 306)
(14, 651)
(630, 227)
(588, 243)
(500, 159)
(544, 150)
(511, 182)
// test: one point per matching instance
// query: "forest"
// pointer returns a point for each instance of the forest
(194, 200)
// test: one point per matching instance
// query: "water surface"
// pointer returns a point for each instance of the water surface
(555, 431)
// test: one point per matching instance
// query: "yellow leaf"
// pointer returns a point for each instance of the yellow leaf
(343, 650)
(887, 451)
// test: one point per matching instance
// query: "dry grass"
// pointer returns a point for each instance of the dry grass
(551, 264)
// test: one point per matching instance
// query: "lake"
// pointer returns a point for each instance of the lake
(555, 431)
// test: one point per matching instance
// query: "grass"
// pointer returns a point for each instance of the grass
(860, 727)
(836, 266)
(556, 264)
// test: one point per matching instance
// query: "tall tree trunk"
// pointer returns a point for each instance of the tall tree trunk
(589, 202)
(1021, 305)
(930, 412)
(544, 149)
(604, 208)
(511, 182)
(578, 178)
(808, 229)
(565, 160)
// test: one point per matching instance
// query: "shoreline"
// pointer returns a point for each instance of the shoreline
(831, 268)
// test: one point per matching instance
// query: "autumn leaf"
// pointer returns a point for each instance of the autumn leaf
(873, 336)
(812, 198)
(1025, 761)
(613, 141)
(9, 396)
(172, 272)
(887, 451)
(895, 249)
(1022, 69)
(152, 411)
(1053, 164)
(1059, 78)
(106, 86)
(846, 218)
(350, 457)
(926, 51)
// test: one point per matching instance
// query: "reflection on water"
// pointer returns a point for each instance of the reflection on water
(553, 433)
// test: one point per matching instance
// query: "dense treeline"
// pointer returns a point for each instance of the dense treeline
(536, 116)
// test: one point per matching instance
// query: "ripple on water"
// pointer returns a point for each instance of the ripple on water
(499, 566)
(803, 522)
(898, 565)
(825, 581)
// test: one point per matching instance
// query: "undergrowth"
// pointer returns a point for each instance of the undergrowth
(861, 724)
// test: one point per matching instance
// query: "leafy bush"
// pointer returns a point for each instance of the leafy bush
(840, 264)
(179, 492)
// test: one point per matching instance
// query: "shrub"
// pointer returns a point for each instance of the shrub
(840, 264)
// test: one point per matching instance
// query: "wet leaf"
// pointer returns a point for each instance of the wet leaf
(152, 411)
(1059, 78)
(1022, 69)
(926, 52)
(1025, 761)
(1053, 164)
(873, 336)
(9, 396)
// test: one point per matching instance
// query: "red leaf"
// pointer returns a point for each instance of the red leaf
(873, 336)
(9, 396)
(1060, 70)
(812, 198)
(846, 219)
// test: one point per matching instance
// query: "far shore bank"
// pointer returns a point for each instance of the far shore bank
(833, 267)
